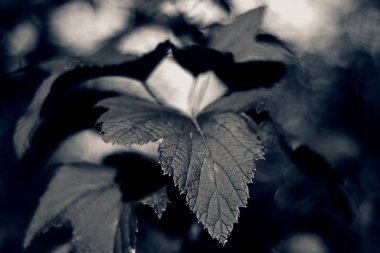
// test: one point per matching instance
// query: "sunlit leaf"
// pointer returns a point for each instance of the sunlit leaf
(210, 157)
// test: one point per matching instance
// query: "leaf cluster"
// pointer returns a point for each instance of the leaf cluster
(210, 154)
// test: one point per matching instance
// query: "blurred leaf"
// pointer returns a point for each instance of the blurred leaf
(188, 33)
(82, 187)
(317, 169)
(137, 69)
(211, 157)
(107, 54)
(54, 127)
(28, 123)
(88, 197)
(201, 12)
(225, 4)
(56, 90)
(268, 38)
(241, 101)
(239, 36)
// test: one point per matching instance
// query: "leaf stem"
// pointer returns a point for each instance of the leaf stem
(189, 98)
(202, 93)
(152, 94)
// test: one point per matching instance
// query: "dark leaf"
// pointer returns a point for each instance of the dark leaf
(251, 75)
(259, 117)
(237, 76)
(137, 69)
(211, 157)
(133, 169)
(200, 59)
(316, 168)
(313, 164)
(56, 90)
(72, 115)
(157, 200)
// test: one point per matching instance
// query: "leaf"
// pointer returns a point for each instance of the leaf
(157, 200)
(125, 238)
(62, 84)
(236, 76)
(211, 157)
(268, 38)
(239, 36)
(56, 126)
(70, 184)
(87, 197)
(95, 219)
(200, 59)
(241, 101)
(29, 122)
(138, 69)
(251, 75)
(164, 80)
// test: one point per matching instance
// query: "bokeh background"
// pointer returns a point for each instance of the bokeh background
(317, 193)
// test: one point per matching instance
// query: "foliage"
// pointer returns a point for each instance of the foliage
(193, 162)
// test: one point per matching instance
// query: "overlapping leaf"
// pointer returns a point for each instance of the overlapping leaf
(210, 157)
(65, 84)
(87, 197)
(239, 38)
(157, 200)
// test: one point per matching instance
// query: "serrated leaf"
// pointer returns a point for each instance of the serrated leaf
(132, 120)
(239, 38)
(211, 157)
(157, 200)
(87, 197)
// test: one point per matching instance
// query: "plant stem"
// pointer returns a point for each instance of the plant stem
(152, 94)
